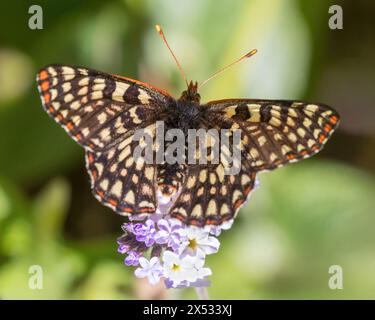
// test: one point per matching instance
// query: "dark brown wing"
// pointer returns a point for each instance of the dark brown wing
(102, 112)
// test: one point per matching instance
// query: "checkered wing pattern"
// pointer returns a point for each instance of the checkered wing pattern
(97, 109)
(275, 133)
(101, 112)
(121, 181)
(209, 197)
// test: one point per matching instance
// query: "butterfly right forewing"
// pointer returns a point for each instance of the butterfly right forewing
(97, 109)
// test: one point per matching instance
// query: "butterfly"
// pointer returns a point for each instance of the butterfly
(102, 113)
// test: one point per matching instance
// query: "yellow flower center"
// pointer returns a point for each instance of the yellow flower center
(193, 243)
(175, 267)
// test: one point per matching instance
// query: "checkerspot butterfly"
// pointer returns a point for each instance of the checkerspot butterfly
(102, 113)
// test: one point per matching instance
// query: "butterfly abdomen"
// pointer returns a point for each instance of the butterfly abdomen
(170, 178)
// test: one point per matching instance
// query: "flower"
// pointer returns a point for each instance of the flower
(202, 273)
(177, 252)
(146, 232)
(123, 248)
(164, 247)
(182, 271)
(178, 269)
(129, 227)
(169, 233)
(132, 259)
(198, 242)
(151, 269)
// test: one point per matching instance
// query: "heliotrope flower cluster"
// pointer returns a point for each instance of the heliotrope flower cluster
(163, 248)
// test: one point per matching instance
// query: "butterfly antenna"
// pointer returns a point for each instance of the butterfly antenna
(161, 33)
(247, 55)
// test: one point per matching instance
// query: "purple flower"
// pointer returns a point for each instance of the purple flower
(123, 248)
(127, 227)
(169, 233)
(136, 228)
(124, 243)
(146, 233)
(133, 258)
(163, 247)
(151, 269)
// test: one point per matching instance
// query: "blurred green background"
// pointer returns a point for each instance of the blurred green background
(303, 219)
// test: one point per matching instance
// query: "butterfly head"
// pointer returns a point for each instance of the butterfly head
(191, 94)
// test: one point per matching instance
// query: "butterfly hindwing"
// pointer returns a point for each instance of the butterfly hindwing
(210, 194)
(210, 197)
(120, 180)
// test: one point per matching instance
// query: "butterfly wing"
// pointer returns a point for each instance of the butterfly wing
(102, 112)
(121, 181)
(276, 132)
(273, 133)
(209, 197)
(98, 109)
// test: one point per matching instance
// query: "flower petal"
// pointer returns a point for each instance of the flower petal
(140, 273)
(143, 262)
(170, 257)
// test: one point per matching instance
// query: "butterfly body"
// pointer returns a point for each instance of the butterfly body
(103, 113)
(186, 111)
